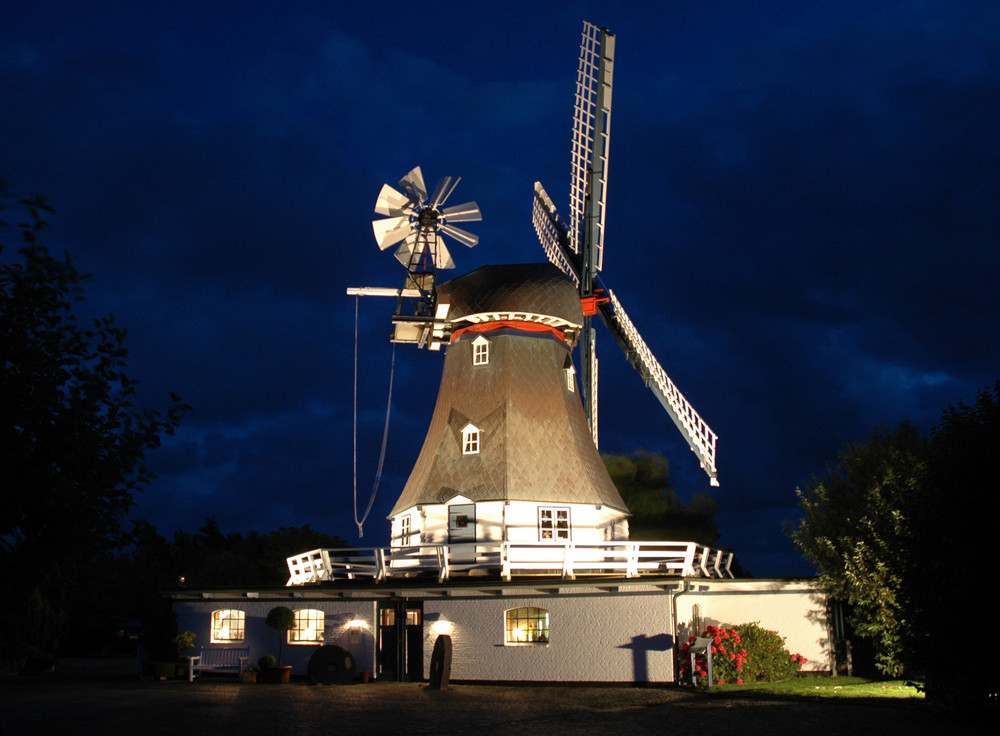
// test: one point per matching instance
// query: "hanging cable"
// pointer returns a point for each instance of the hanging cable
(385, 431)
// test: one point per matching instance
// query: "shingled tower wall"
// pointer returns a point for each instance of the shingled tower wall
(533, 473)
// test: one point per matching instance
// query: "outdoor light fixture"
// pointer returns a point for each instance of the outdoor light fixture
(442, 626)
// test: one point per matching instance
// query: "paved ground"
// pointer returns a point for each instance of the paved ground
(92, 696)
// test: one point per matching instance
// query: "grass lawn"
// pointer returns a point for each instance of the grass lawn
(827, 687)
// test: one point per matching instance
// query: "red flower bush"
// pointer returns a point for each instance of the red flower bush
(760, 657)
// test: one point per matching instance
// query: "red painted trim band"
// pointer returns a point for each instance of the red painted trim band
(508, 325)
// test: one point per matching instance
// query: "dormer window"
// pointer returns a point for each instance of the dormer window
(470, 440)
(480, 351)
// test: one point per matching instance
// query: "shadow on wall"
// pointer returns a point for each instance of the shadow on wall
(641, 646)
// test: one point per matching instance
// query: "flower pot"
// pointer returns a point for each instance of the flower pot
(277, 674)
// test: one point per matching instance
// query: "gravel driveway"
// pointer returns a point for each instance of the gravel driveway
(105, 697)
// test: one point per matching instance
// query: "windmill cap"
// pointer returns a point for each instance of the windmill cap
(530, 288)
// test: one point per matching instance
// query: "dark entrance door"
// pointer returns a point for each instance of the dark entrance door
(461, 523)
(401, 640)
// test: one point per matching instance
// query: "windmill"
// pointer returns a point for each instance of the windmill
(418, 223)
(578, 248)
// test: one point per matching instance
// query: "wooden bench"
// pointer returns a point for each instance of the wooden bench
(219, 659)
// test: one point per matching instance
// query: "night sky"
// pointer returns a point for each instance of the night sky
(802, 222)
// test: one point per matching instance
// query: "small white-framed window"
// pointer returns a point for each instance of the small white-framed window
(307, 628)
(470, 440)
(228, 626)
(404, 531)
(570, 375)
(553, 523)
(480, 351)
(527, 625)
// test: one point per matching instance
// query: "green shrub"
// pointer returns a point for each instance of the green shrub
(741, 654)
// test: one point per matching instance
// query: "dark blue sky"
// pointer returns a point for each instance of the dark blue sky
(802, 222)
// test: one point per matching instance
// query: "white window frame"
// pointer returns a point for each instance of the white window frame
(470, 440)
(554, 524)
(525, 626)
(570, 379)
(480, 351)
(404, 531)
(307, 628)
(228, 626)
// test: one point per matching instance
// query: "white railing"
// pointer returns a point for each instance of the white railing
(512, 559)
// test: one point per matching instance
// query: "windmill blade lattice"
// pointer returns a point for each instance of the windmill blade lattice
(417, 222)
(577, 248)
(591, 139)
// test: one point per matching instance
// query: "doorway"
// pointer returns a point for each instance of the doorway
(400, 641)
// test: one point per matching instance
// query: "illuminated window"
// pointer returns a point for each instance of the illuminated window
(307, 627)
(480, 351)
(470, 440)
(227, 626)
(387, 617)
(526, 626)
(553, 523)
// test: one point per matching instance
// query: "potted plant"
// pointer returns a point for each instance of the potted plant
(185, 641)
(249, 673)
(163, 655)
(279, 619)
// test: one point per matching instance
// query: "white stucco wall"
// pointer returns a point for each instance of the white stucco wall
(796, 610)
(600, 638)
(619, 631)
(589, 523)
(196, 616)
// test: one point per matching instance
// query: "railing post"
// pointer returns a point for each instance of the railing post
(443, 551)
(569, 554)
(689, 560)
(632, 566)
(381, 569)
(505, 561)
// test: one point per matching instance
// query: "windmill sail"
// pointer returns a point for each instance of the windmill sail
(698, 434)
(577, 247)
(555, 240)
(589, 149)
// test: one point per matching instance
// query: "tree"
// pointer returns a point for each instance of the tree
(210, 557)
(954, 532)
(72, 443)
(857, 530)
(902, 529)
(643, 480)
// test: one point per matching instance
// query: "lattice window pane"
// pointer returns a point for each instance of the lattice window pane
(307, 627)
(526, 625)
(553, 523)
(228, 626)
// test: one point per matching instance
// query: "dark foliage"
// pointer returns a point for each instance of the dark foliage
(901, 529)
(72, 443)
(643, 480)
